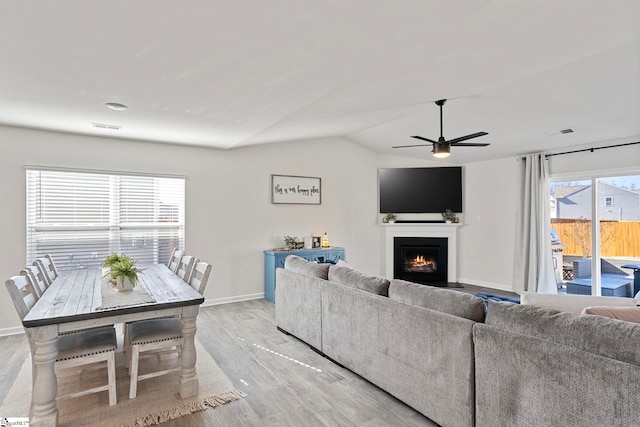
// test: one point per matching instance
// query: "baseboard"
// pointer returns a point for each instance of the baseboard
(237, 298)
(486, 284)
(11, 331)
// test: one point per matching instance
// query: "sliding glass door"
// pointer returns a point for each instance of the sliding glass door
(597, 224)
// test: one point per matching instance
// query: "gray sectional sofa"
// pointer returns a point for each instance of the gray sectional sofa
(434, 349)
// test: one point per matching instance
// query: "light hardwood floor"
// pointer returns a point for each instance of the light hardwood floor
(287, 383)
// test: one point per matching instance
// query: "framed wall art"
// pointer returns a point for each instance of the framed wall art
(297, 190)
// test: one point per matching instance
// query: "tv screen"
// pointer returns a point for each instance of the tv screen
(420, 190)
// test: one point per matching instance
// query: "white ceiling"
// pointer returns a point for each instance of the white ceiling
(234, 73)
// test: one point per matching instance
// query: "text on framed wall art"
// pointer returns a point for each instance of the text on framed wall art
(303, 190)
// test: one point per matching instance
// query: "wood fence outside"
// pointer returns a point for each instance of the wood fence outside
(617, 238)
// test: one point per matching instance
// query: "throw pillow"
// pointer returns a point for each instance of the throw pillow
(342, 263)
(300, 265)
(628, 314)
(357, 279)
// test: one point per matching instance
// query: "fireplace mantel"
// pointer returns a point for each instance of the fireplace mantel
(450, 231)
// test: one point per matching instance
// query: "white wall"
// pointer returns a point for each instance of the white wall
(230, 219)
(486, 240)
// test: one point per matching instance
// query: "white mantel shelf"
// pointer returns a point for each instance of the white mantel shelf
(445, 230)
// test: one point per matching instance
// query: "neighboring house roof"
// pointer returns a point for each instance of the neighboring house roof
(562, 192)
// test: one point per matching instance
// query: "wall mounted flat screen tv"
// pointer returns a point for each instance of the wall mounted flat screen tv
(420, 190)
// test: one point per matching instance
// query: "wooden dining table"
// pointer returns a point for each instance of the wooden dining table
(76, 300)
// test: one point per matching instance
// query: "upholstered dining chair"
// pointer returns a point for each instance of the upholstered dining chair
(174, 260)
(77, 349)
(200, 276)
(152, 335)
(36, 278)
(47, 267)
(186, 267)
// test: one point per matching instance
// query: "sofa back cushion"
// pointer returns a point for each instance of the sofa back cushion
(302, 266)
(596, 334)
(456, 303)
(357, 279)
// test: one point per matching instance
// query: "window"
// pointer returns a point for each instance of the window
(81, 217)
(615, 230)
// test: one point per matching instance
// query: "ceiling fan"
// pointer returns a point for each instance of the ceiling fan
(442, 147)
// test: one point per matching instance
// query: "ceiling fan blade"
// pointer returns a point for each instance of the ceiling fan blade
(425, 139)
(464, 138)
(411, 146)
(469, 144)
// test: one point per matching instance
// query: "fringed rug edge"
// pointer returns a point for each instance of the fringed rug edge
(202, 403)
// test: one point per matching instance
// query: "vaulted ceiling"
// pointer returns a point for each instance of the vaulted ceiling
(228, 74)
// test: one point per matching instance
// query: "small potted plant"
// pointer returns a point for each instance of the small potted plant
(125, 274)
(290, 242)
(390, 218)
(449, 216)
(113, 259)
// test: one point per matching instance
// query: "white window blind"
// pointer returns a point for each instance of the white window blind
(79, 218)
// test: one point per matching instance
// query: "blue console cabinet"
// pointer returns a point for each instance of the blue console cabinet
(275, 259)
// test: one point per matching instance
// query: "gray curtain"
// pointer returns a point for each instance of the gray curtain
(533, 264)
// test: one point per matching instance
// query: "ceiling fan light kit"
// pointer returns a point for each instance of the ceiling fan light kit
(442, 148)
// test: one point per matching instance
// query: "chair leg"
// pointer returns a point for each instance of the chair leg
(111, 373)
(133, 371)
(125, 333)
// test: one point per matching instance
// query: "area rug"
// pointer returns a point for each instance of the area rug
(157, 401)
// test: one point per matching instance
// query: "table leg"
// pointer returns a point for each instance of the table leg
(189, 379)
(44, 411)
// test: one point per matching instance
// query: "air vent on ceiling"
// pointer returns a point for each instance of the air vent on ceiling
(106, 126)
(560, 132)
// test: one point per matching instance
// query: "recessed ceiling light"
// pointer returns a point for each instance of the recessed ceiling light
(116, 106)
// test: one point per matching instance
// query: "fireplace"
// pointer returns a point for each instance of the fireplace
(427, 230)
(421, 259)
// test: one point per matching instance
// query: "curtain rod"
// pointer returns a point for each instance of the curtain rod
(590, 149)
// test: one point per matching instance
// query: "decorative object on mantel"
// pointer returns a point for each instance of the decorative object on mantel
(315, 241)
(301, 190)
(122, 270)
(449, 216)
(390, 218)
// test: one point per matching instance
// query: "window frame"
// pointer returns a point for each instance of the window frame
(140, 194)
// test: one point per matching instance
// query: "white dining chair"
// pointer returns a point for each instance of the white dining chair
(186, 267)
(174, 260)
(152, 335)
(200, 276)
(77, 349)
(36, 278)
(47, 267)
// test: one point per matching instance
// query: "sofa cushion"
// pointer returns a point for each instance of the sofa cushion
(302, 266)
(357, 279)
(628, 314)
(594, 334)
(448, 301)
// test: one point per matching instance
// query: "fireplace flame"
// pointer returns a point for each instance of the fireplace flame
(422, 264)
